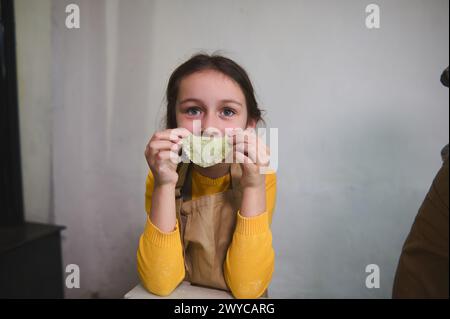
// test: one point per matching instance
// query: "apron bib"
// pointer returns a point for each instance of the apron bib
(206, 225)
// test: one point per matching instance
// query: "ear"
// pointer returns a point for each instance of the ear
(251, 124)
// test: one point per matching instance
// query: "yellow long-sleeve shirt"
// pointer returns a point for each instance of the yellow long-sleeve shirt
(249, 262)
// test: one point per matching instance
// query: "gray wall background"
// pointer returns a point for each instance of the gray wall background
(361, 117)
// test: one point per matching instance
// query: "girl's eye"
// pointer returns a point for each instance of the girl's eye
(193, 111)
(228, 112)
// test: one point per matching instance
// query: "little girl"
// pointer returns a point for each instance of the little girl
(208, 225)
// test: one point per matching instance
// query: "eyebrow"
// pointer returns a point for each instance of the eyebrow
(201, 102)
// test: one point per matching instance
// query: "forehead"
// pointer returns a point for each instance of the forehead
(210, 84)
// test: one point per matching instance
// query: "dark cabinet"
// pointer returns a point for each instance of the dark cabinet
(30, 253)
(30, 261)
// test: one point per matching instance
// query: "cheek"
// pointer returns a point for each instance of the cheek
(237, 122)
(241, 121)
(185, 123)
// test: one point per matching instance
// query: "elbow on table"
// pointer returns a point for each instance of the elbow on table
(249, 291)
(248, 284)
(241, 289)
(155, 281)
(158, 285)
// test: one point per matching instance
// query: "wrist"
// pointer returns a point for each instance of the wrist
(253, 201)
(253, 185)
(253, 188)
(165, 186)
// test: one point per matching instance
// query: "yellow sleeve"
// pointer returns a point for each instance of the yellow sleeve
(160, 261)
(250, 259)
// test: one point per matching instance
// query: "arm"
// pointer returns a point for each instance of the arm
(250, 259)
(162, 210)
(160, 257)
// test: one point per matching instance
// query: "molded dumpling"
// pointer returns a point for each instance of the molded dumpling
(205, 151)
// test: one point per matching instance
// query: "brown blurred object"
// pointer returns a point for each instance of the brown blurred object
(422, 271)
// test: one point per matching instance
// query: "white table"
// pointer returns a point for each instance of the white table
(184, 291)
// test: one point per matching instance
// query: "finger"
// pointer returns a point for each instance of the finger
(230, 131)
(171, 134)
(244, 136)
(247, 149)
(164, 136)
(164, 156)
(180, 132)
(262, 153)
(258, 153)
(242, 158)
(159, 145)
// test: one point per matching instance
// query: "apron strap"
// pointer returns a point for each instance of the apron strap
(184, 184)
(181, 170)
(186, 190)
(236, 173)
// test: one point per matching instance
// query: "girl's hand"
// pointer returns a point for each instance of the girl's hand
(253, 155)
(162, 154)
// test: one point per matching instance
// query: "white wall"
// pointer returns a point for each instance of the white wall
(361, 117)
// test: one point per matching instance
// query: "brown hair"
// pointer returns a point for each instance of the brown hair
(200, 62)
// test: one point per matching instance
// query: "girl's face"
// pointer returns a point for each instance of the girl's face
(214, 99)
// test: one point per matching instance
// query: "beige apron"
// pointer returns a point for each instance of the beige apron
(422, 270)
(206, 225)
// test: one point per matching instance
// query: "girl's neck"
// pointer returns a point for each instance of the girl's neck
(215, 171)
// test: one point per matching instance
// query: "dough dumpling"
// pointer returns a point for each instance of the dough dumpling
(205, 151)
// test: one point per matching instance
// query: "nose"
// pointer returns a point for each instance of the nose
(211, 126)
